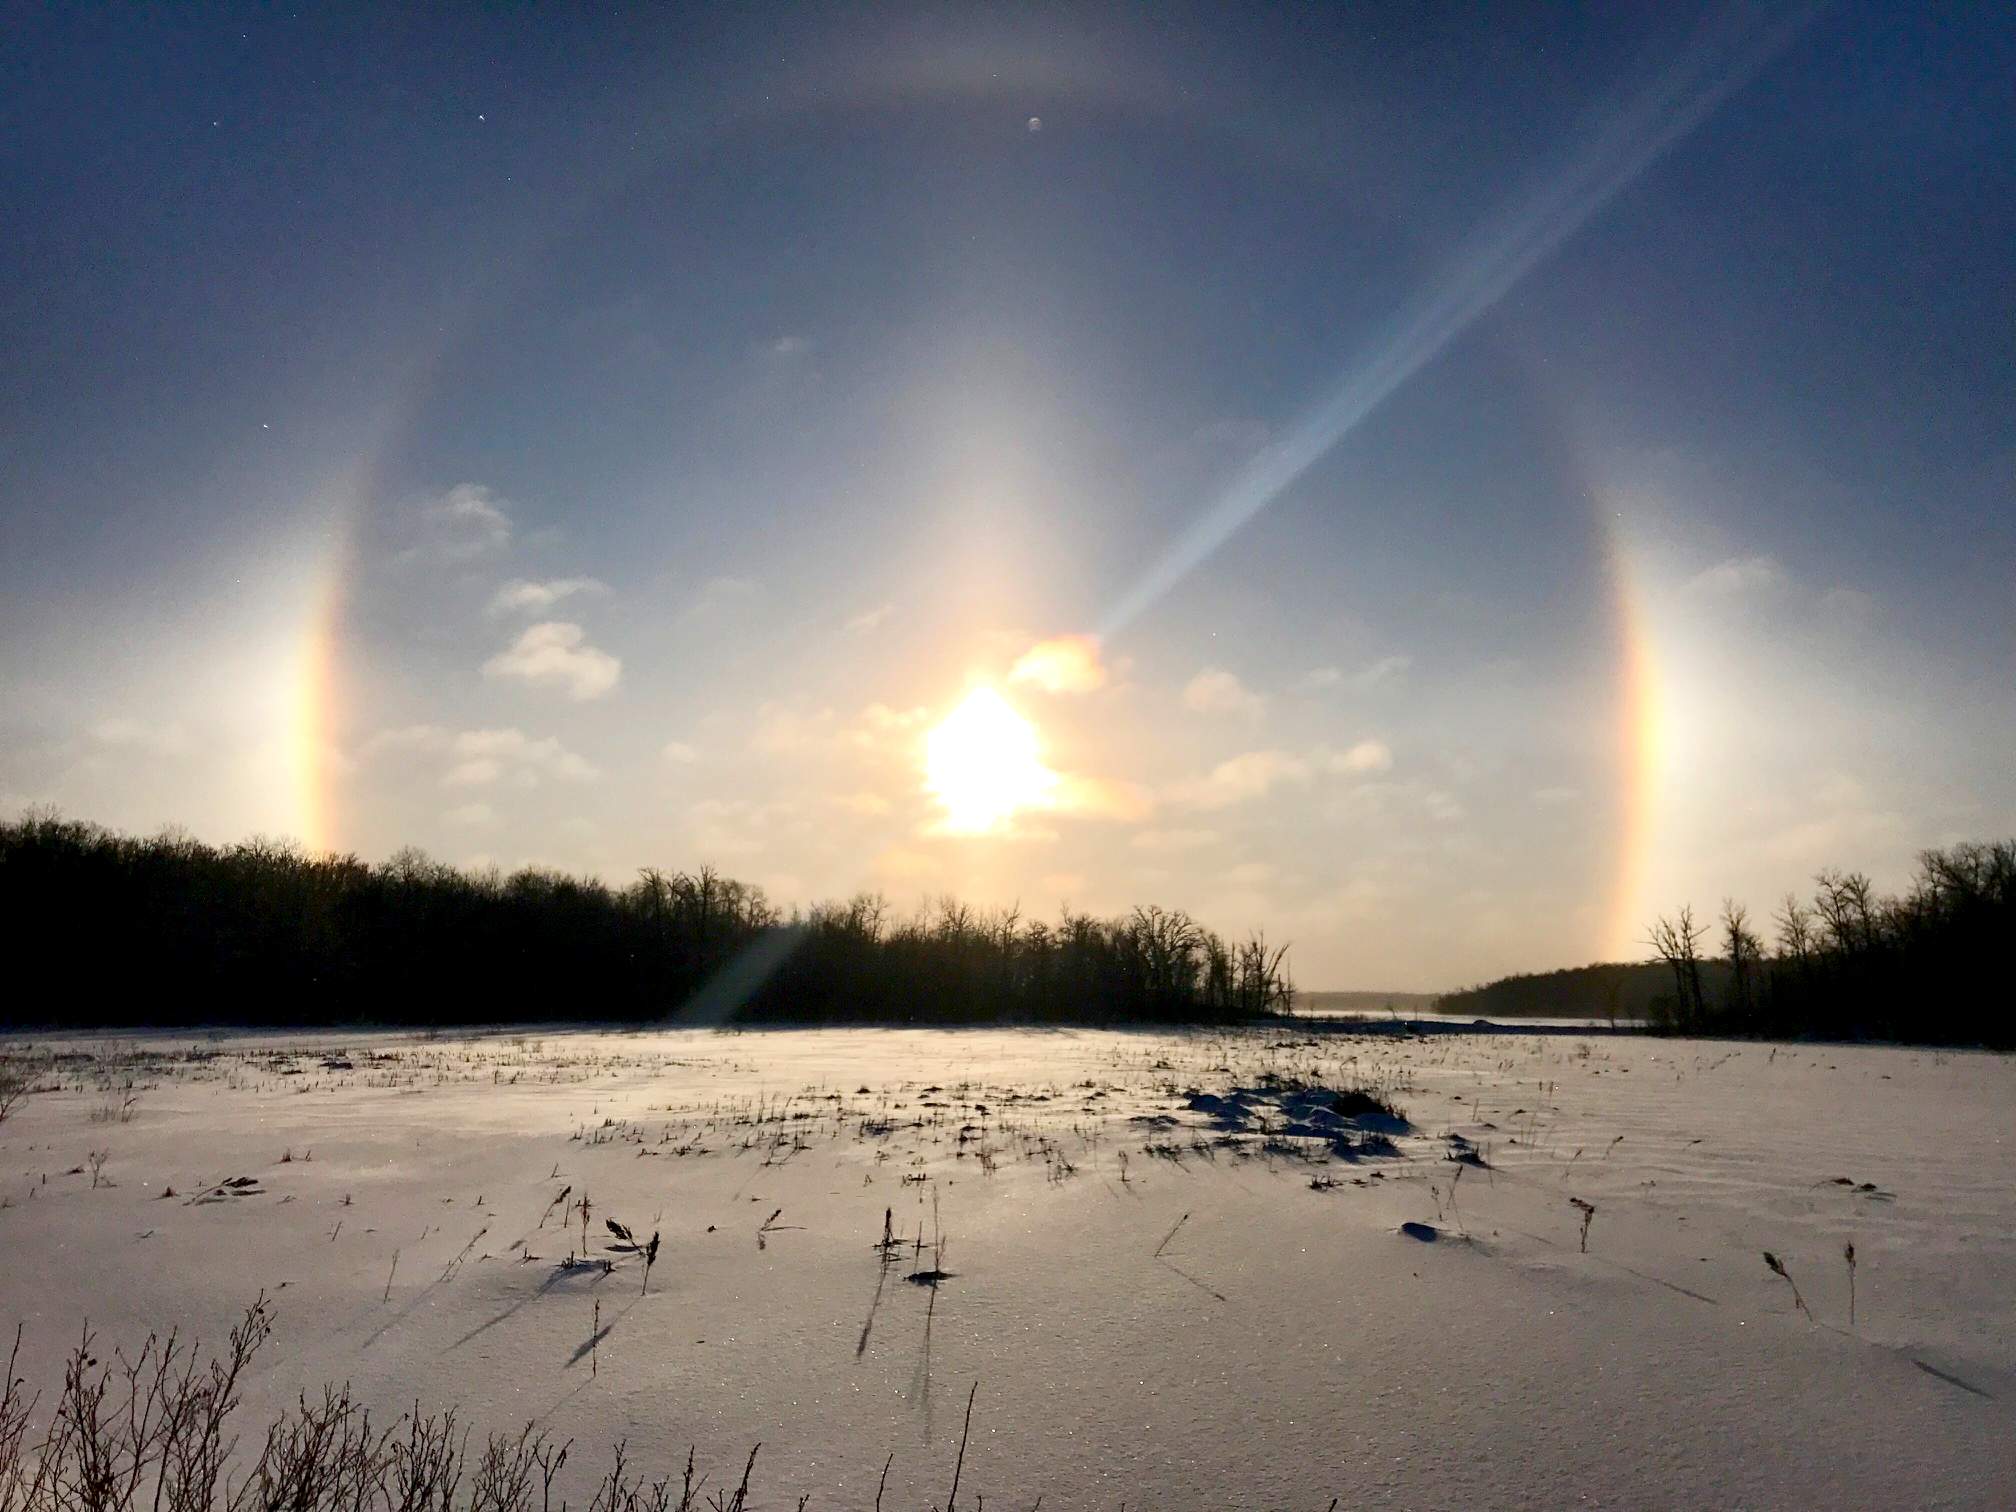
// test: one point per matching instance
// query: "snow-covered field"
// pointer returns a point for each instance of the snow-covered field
(1170, 1294)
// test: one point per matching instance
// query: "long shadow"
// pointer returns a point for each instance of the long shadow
(1952, 1380)
(874, 1306)
(553, 1279)
(1164, 1260)
(587, 1346)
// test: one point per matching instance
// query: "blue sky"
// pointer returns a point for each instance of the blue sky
(614, 442)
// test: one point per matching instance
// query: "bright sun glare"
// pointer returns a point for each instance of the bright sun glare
(982, 763)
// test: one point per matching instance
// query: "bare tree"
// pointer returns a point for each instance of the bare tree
(1677, 942)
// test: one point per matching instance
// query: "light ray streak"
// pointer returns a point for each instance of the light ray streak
(1726, 54)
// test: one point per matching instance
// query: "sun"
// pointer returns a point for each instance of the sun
(983, 762)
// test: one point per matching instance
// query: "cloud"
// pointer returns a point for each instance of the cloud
(1214, 691)
(1254, 774)
(1738, 575)
(1553, 797)
(1250, 874)
(1100, 798)
(877, 731)
(465, 522)
(1388, 669)
(1241, 779)
(1385, 670)
(789, 346)
(1850, 605)
(1066, 664)
(520, 596)
(1172, 840)
(679, 753)
(868, 805)
(472, 815)
(783, 731)
(736, 826)
(869, 620)
(557, 652)
(886, 730)
(477, 758)
(119, 733)
(1362, 759)
(719, 594)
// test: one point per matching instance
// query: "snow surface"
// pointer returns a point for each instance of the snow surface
(1166, 1299)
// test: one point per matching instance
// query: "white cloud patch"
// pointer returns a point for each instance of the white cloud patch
(521, 596)
(1736, 577)
(1066, 664)
(1361, 760)
(465, 522)
(479, 758)
(869, 620)
(1241, 779)
(472, 816)
(1254, 774)
(1388, 669)
(1216, 691)
(1100, 798)
(679, 753)
(556, 653)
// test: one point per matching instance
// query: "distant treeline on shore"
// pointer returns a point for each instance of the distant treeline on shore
(108, 930)
(1929, 966)
(1626, 991)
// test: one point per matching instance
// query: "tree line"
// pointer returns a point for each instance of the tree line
(1622, 992)
(115, 930)
(1928, 965)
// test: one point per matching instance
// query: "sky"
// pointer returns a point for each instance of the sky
(1443, 487)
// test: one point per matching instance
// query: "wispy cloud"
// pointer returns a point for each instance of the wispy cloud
(520, 596)
(869, 620)
(1242, 778)
(478, 758)
(556, 653)
(679, 753)
(720, 594)
(1173, 840)
(482, 757)
(1737, 576)
(1362, 759)
(123, 734)
(1216, 691)
(459, 525)
(1255, 774)
(1388, 669)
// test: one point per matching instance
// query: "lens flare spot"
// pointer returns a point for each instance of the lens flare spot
(983, 763)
